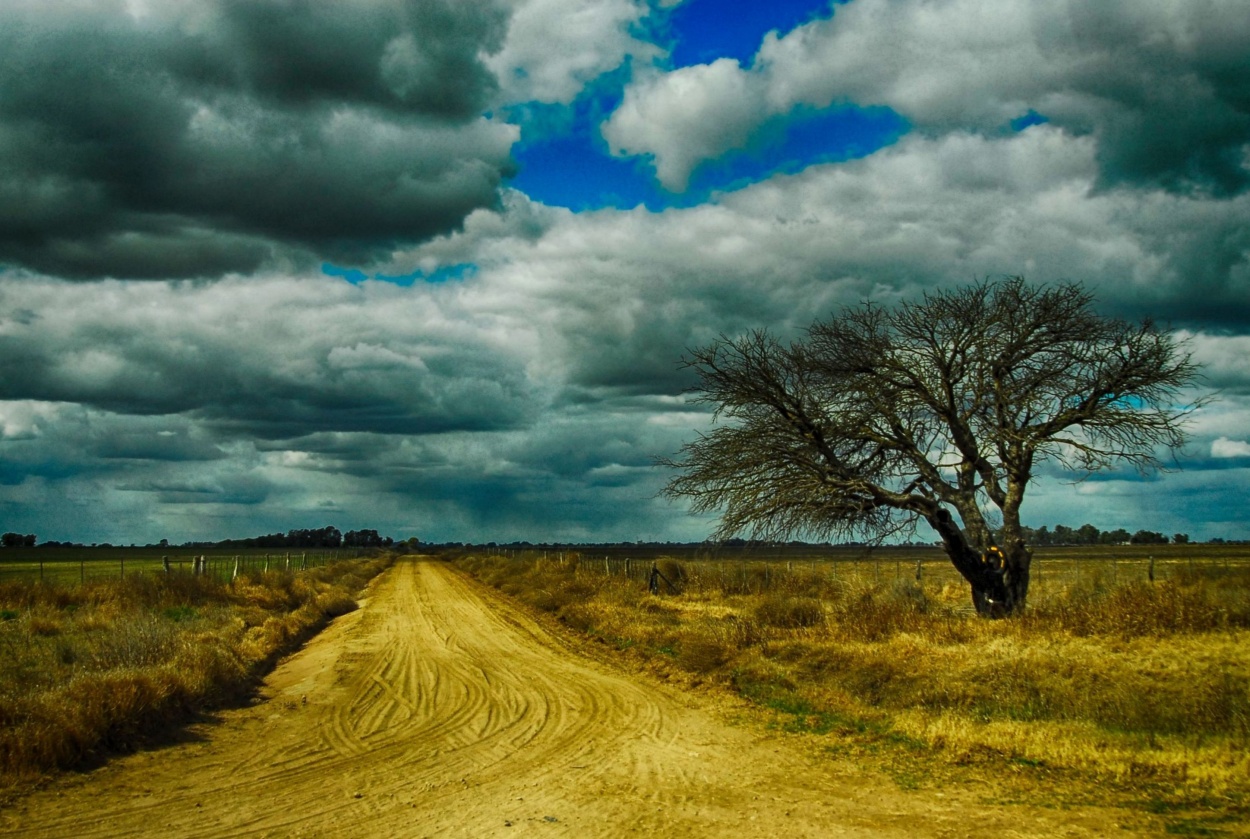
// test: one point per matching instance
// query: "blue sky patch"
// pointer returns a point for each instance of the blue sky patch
(1031, 118)
(564, 161)
(701, 31)
(353, 275)
(575, 169)
(459, 271)
(803, 138)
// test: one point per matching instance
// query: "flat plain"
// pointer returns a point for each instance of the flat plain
(441, 708)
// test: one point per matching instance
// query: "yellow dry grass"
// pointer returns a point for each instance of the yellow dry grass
(1140, 687)
(89, 669)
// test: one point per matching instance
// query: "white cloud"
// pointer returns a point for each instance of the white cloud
(1117, 72)
(1224, 447)
(687, 116)
(554, 47)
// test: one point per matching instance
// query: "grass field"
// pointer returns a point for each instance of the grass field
(1108, 682)
(97, 666)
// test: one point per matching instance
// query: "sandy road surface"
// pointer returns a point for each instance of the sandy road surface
(438, 710)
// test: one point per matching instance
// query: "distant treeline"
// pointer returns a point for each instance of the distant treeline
(324, 537)
(1087, 534)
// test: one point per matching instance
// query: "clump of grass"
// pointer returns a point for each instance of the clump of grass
(89, 669)
(790, 612)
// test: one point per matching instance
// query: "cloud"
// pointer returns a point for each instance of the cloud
(685, 117)
(1160, 87)
(192, 140)
(527, 400)
(1224, 447)
(1223, 360)
(270, 357)
(554, 48)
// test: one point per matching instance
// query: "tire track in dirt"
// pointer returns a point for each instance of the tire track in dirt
(440, 710)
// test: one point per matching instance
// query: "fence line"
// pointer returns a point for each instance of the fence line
(758, 576)
(219, 567)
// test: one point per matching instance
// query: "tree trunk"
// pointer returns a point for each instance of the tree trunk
(1017, 558)
(999, 582)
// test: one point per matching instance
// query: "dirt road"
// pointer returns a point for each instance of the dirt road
(439, 710)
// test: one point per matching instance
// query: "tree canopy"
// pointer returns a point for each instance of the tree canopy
(936, 410)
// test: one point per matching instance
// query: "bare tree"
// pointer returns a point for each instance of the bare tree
(938, 411)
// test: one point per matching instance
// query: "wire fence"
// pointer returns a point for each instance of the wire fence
(1053, 571)
(60, 567)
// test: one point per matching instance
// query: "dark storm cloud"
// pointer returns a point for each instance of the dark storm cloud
(1170, 91)
(267, 358)
(191, 140)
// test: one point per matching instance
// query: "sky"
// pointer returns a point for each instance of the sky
(429, 267)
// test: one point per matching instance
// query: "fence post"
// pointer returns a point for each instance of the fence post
(918, 570)
(165, 563)
(235, 575)
(122, 560)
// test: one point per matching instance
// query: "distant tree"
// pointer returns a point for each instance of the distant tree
(1148, 537)
(362, 539)
(1119, 536)
(937, 410)
(1180, 539)
(1087, 534)
(18, 540)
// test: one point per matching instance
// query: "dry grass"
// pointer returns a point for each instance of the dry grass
(95, 668)
(1140, 687)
